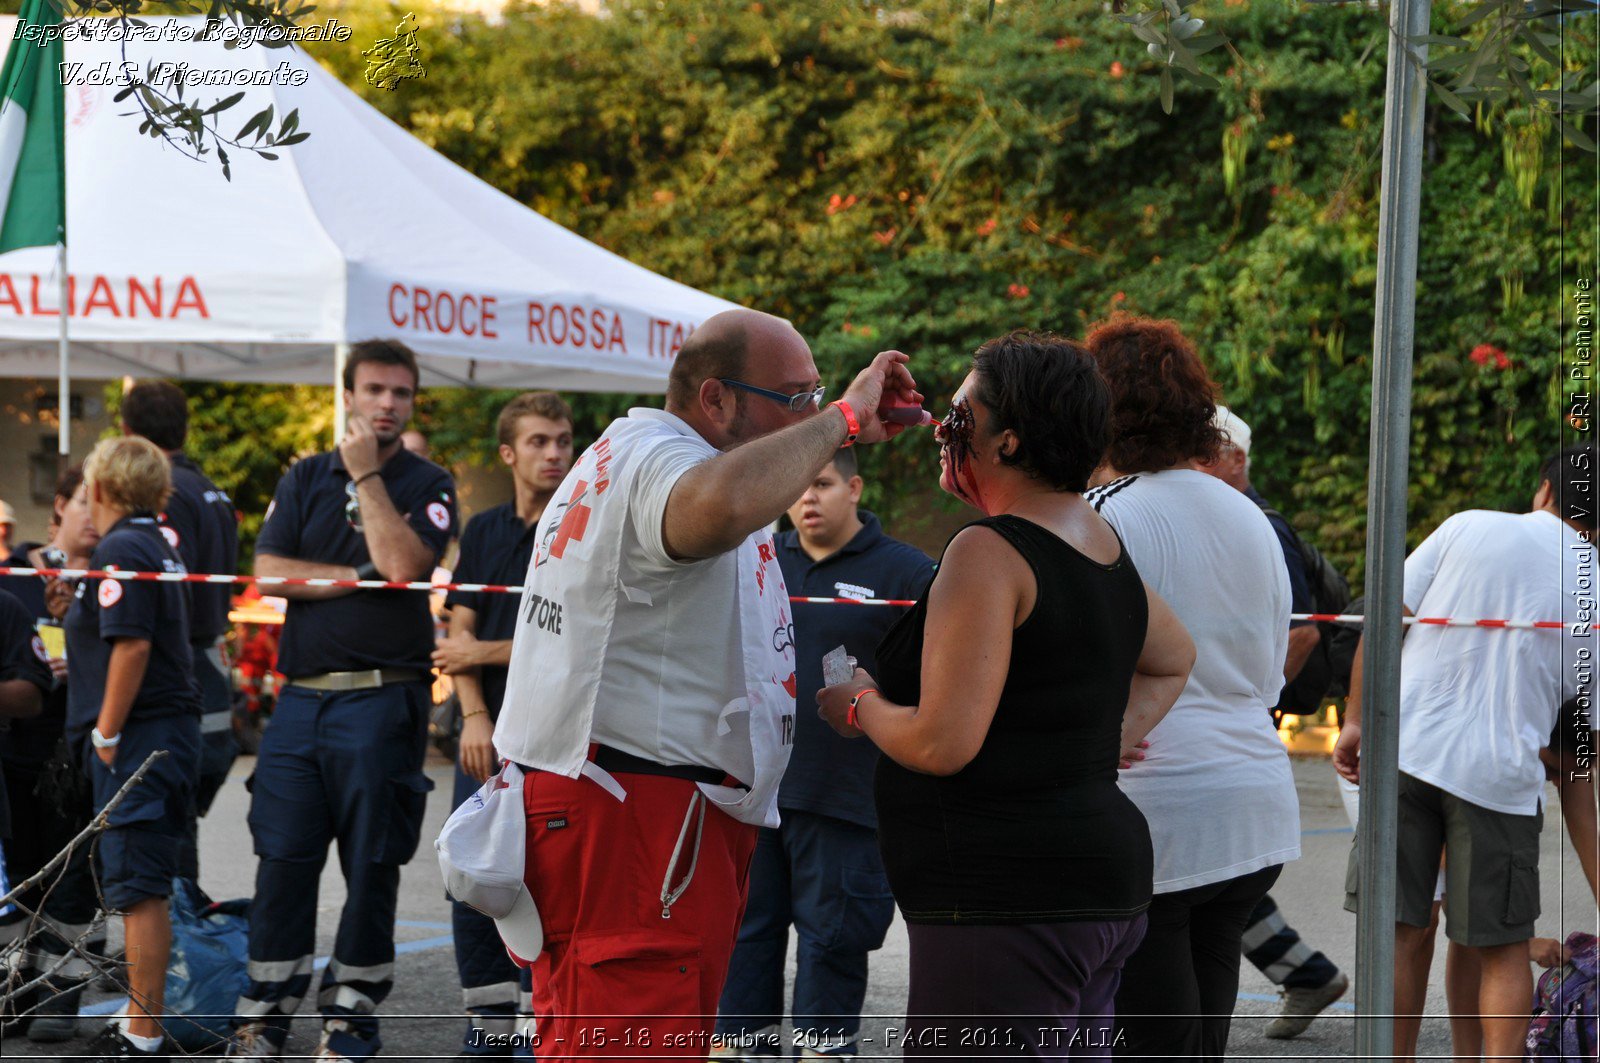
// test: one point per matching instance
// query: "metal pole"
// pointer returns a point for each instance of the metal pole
(1393, 334)
(63, 375)
(341, 354)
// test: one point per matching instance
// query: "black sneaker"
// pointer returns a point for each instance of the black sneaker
(109, 1044)
(56, 1018)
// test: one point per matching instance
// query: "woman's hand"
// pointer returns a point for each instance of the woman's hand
(1128, 756)
(108, 755)
(833, 703)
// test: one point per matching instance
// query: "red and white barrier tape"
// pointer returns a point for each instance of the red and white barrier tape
(495, 588)
(353, 584)
(1445, 621)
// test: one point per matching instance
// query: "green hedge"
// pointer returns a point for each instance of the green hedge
(913, 176)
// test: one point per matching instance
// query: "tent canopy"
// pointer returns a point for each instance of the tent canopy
(357, 232)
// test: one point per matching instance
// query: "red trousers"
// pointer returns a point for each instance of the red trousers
(616, 977)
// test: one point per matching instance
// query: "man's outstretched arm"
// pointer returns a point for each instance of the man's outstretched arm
(716, 504)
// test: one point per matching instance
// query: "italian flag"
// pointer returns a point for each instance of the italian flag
(33, 183)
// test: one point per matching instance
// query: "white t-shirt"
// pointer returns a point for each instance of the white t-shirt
(673, 658)
(1477, 704)
(682, 663)
(1215, 784)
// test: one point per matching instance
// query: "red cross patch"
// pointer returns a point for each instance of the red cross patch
(574, 522)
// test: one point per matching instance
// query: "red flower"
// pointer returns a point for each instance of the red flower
(1018, 291)
(836, 203)
(1501, 361)
(987, 227)
(886, 237)
(1484, 353)
(1119, 297)
(1116, 70)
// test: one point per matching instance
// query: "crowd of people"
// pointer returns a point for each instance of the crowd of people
(1060, 764)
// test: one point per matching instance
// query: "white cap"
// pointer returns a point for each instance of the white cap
(482, 852)
(1233, 428)
(521, 928)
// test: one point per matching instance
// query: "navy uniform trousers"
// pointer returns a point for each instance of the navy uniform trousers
(824, 876)
(342, 767)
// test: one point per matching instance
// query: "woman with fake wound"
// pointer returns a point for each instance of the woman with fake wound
(1005, 700)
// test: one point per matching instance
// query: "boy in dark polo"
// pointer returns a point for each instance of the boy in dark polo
(131, 693)
(820, 870)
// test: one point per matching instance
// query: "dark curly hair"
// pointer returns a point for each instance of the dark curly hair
(1162, 398)
(1045, 388)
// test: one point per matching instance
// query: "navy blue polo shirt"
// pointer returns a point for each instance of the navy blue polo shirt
(311, 518)
(22, 656)
(110, 609)
(32, 741)
(202, 525)
(496, 548)
(829, 774)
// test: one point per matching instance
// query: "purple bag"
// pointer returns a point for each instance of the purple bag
(1564, 1006)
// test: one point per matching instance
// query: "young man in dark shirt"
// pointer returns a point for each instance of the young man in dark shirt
(535, 433)
(820, 870)
(201, 524)
(342, 760)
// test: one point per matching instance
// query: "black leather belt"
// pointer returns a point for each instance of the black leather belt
(616, 762)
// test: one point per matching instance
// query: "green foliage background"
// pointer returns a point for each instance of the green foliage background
(913, 176)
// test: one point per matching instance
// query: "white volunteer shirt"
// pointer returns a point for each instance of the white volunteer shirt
(1215, 784)
(682, 663)
(1477, 704)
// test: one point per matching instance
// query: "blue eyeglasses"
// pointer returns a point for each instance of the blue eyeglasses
(796, 403)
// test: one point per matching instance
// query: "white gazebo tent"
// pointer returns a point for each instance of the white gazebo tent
(359, 231)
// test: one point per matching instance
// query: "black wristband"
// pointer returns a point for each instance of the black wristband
(357, 482)
(368, 571)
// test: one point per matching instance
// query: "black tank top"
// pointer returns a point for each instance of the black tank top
(1034, 829)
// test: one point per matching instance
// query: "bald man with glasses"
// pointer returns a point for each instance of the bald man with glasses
(649, 703)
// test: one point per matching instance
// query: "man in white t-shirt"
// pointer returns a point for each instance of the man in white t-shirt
(1476, 706)
(650, 695)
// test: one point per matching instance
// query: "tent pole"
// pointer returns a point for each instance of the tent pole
(341, 354)
(64, 376)
(1399, 209)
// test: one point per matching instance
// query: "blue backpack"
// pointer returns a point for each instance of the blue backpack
(1565, 1004)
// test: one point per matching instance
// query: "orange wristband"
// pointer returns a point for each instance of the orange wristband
(852, 425)
(850, 714)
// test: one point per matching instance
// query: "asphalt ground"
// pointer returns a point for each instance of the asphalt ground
(421, 1018)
